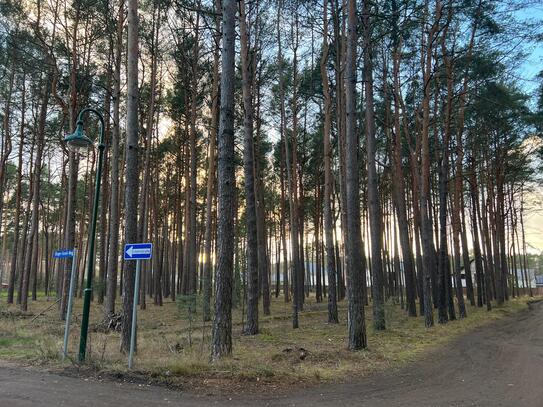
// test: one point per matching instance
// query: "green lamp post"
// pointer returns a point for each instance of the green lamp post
(79, 141)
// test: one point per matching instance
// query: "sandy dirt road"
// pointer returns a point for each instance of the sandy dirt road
(498, 365)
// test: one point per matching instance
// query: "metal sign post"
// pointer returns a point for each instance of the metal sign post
(134, 314)
(64, 254)
(138, 252)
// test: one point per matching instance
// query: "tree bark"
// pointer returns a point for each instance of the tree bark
(251, 323)
(399, 194)
(132, 173)
(18, 203)
(328, 177)
(113, 262)
(31, 258)
(222, 325)
(355, 271)
(291, 182)
(426, 229)
(373, 191)
(207, 267)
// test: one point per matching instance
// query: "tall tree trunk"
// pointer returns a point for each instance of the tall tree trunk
(31, 258)
(338, 17)
(192, 255)
(264, 255)
(18, 198)
(500, 232)
(73, 168)
(465, 254)
(458, 191)
(282, 130)
(113, 262)
(222, 325)
(328, 177)
(207, 272)
(6, 148)
(475, 235)
(354, 246)
(132, 173)
(104, 198)
(297, 208)
(286, 288)
(524, 255)
(251, 324)
(291, 182)
(426, 229)
(399, 195)
(489, 262)
(373, 191)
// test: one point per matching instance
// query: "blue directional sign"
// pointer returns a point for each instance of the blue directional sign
(62, 254)
(138, 251)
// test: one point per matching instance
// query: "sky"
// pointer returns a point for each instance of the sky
(527, 78)
(533, 64)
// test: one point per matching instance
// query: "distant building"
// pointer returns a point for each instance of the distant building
(310, 267)
(530, 276)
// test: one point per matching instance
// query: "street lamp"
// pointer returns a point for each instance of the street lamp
(76, 142)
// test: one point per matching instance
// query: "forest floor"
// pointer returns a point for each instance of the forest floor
(174, 351)
(498, 363)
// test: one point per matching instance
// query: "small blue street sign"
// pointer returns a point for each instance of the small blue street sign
(138, 251)
(63, 254)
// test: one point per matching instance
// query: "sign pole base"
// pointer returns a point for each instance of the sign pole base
(134, 315)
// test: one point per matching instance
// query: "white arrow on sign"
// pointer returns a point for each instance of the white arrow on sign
(131, 251)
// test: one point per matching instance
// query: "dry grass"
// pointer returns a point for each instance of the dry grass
(272, 357)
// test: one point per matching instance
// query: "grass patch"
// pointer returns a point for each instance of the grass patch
(315, 352)
(17, 347)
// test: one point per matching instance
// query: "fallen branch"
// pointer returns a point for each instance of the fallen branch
(44, 311)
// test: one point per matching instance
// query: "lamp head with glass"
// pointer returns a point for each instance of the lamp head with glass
(78, 141)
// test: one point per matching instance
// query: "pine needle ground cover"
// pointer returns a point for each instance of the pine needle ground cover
(174, 347)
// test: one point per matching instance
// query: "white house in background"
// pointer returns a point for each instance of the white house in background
(530, 275)
(311, 267)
